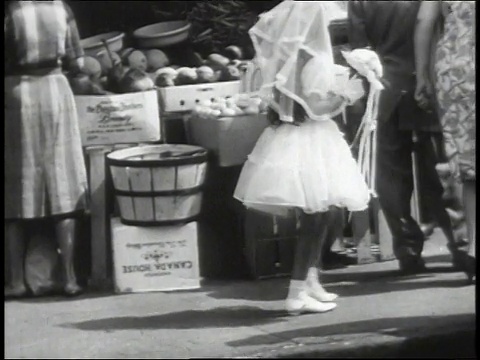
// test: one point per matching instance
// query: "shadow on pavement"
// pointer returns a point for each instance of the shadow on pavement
(397, 327)
(223, 317)
(346, 284)
(56, 297)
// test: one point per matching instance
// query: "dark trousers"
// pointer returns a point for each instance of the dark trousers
(427, 211)
(395, 182)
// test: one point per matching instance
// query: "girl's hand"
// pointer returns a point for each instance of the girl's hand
(355, 90)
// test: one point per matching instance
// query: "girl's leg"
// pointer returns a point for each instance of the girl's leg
(299, 299)
(317, 230)
(65, 233)
(16, 247)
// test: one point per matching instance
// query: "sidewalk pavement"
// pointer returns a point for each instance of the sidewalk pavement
(379, 314)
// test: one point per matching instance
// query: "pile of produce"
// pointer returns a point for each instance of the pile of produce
(134, 70)
(217, 24)
(109, 72)
(215, 68)
(237, 105)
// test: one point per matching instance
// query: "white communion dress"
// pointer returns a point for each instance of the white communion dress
(308, 167)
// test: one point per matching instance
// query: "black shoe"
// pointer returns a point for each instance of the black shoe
(341, 259)
(428, 229)
(467, 264)
(412, 266)
(332, 261)
(470, 269)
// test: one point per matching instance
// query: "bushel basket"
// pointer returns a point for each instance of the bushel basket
(158, 184)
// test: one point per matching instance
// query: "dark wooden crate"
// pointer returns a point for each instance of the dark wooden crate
(220, 226)
(269, 244)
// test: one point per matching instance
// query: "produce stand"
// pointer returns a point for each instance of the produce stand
(233, 242)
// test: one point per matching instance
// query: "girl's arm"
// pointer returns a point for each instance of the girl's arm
(428, 14)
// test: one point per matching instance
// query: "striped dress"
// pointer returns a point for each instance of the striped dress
(45, 171)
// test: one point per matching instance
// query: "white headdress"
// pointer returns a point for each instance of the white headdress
(294, 55)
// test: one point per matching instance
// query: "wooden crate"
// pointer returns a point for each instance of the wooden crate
(269, 244)
(101, 206)
(221, 226)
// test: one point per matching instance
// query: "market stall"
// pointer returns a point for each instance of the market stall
(165, 84)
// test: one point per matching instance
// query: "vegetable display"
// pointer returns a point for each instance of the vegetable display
(218, 24)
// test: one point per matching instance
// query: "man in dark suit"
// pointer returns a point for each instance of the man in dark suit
(387, 28)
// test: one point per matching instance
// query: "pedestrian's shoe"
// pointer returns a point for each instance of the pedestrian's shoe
(72, 290)
(457, 254)
(304, 303)
(412, 266)
(470, 269)
(11, 292)
(467, 264)
(428, 229)
(334, 260)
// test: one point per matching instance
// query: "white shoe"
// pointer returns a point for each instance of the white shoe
(304, 303)
(322, 296)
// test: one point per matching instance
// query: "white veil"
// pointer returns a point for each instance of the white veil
(294, 55)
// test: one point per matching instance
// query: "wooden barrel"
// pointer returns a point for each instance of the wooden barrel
(158, 184)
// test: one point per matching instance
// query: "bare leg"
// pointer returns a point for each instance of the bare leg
(65, 233)
(307, 254)
(16, 247)
(320, 227)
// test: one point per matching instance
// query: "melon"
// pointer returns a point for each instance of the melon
(92, 68)
(233, 52)
(136, 80)
(186, 76)
(205, 74)
(136, 59)
(156, 59)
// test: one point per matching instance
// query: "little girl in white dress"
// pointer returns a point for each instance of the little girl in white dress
(303, 164)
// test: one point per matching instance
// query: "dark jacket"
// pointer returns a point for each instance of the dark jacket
(388, 28)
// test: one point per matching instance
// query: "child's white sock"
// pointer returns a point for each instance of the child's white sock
(295, 288)
(315, 289)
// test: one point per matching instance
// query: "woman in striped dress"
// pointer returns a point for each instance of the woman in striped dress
(45, 174)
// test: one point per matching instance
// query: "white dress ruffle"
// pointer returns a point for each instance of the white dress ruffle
(309, 167)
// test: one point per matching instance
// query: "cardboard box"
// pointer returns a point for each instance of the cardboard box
(119, 118)
(186, 97)
(155, 258)
(231, 139)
